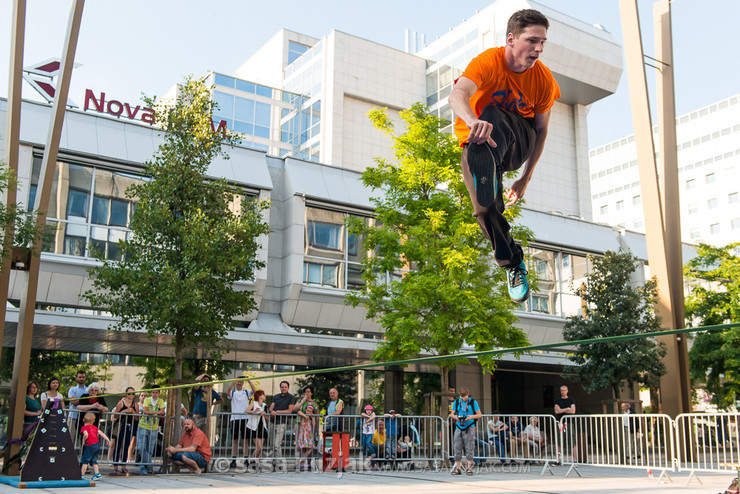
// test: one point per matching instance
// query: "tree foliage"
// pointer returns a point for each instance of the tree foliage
(344, 381)
(445, 291)
(192, 238)
(46, 364)
(25, 231)
(714, 298)
(159, 370)
(613, 307)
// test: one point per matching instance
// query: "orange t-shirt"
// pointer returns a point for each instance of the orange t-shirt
(198, 438)
(532, 91)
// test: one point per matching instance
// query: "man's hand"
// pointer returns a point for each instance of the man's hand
(516, 191)
(480, 132)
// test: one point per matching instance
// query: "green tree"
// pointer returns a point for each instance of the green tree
(344, 381)
(158, 370)
(192, 238)
(445, 291)
(714, 298)
(415, 386)
(615, 308)
(46, 364)
(23, 220)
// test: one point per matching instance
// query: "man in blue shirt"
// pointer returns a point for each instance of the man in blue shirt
(74, 394)
(201, 402)
(465, 411)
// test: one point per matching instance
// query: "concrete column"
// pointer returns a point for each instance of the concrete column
(393, 399)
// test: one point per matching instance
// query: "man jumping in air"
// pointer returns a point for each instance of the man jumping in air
(502, 102)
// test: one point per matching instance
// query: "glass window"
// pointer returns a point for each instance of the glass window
(710, 178)
(223, 80)
(735, 223)
(262, 114)
(690, 184)
(693, 208)
(77, 203)
(714, 228)
(332, 255)
(260, 131)
(89, 196)
(620, 205)
(118, 212)
(264, 91)
(603, 210)
(224, 104)
(324, 235)
(733, 198)
(295, 50)
(244, 109)
(712, 203)
(100, 210)
(695, 233)
(244, 128)
(247, 87)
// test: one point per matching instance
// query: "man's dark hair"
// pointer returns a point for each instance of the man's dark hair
(153, 387)
(80, 372)
(521, 19)
(285, 382)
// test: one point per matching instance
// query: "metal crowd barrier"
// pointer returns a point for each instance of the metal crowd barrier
(528, 438)
(643, 441)
(707, 442)
(695, 442)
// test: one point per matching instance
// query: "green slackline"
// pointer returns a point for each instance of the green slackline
(441, 358)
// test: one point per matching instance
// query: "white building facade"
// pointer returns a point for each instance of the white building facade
(708, 172)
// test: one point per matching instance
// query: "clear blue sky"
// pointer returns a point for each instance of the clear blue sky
(142, 46)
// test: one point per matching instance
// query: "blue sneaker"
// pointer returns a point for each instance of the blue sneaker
(97, 476)
(482, 166)
(518, 285)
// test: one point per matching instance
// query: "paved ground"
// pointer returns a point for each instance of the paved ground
(594, 480)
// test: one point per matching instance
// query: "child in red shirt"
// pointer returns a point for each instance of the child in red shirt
(91, 443)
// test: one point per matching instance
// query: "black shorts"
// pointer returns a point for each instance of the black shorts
(260, 433)
(239, 429)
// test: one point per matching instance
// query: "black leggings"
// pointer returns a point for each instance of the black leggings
(514, 137)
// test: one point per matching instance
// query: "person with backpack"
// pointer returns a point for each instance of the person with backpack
(465, 411)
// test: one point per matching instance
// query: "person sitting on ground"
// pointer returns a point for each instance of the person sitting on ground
(193, 450)
(90, 440)
(405, 447)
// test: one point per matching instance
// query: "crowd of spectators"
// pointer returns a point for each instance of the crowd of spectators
(288, 427)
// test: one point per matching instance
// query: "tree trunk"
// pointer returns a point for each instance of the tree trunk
(616, 390)
(177, 402)
(179, 339)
